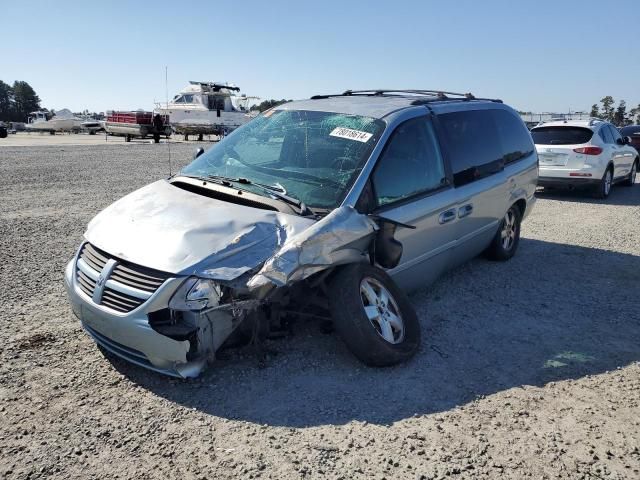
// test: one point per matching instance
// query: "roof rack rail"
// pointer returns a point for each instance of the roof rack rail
(438, 94)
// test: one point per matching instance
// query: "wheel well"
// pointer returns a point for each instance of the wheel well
(522, 205)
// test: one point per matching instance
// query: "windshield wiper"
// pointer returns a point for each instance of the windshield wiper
(276, 190)
(220, 180)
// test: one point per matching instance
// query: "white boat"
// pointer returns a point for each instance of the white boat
(204, 108)
(62, 121)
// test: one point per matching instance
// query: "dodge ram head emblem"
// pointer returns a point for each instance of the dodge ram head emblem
(100, 281)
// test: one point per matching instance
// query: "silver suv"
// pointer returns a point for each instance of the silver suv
(330, 207)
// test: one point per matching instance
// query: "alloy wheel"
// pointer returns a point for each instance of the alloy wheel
(508, 232)
(607, 182)
(382, 310)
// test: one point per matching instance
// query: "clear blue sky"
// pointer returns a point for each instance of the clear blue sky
(536, 55)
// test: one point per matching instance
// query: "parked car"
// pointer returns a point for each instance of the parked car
(584, 153)
(632, 132)
(331, 207)
(3, 130)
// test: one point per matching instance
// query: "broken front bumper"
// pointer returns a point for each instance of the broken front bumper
(130, 336)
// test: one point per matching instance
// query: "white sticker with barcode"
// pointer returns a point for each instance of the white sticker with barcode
(350, 134)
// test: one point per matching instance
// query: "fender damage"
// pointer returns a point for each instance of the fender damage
(249, 280)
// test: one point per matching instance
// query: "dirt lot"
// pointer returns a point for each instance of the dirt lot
(527, 369)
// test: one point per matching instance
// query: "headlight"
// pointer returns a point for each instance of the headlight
(196, 294)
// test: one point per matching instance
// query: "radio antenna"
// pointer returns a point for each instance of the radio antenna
(166, 109)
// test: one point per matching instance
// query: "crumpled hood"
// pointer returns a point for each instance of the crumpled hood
(163, 227)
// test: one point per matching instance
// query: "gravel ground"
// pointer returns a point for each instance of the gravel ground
(528, 368)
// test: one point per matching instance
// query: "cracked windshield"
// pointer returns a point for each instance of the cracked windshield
(313, 157)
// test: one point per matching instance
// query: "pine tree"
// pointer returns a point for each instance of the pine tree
(607, 108)
(6, 100)
(25, 101)
(620, 117)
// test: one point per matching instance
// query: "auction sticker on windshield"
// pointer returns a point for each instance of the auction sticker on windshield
(350, 134)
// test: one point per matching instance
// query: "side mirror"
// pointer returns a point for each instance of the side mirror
(198, 152)
(387, 251)
(621, 141)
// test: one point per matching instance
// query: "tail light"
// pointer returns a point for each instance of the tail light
(588, 150)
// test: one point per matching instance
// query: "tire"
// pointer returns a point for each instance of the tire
(604, 187)
(365, 338)
(631, 180)
(507, 238)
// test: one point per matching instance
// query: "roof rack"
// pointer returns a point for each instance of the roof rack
(434, 95)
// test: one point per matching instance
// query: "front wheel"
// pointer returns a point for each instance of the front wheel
(631, 179)
(373, 316)
(506, 240)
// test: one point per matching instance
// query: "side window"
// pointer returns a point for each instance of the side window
(410, 163)
(602, 136)
(473, 144)
(614, 133)
(606, 134)
(514, 137)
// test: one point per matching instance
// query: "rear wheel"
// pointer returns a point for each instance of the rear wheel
(505, 242)
(604, 187)
(631, 179)
(373, 316)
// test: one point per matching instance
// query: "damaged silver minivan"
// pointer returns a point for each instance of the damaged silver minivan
(332, 207)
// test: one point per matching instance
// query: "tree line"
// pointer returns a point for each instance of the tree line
(17, 101)
(267, 104)
(619, 115)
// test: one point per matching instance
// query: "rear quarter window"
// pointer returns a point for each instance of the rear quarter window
(515, 139)
(561, 135)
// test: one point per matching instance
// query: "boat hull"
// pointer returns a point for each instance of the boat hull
(205, 122)
(55, 125)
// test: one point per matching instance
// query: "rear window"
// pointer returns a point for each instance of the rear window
(628, 131)
(561, 135)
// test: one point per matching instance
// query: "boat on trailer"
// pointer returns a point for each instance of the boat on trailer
(61, 121)
(207, 108)
(138, 124)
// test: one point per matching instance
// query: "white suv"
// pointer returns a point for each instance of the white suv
(588, 153)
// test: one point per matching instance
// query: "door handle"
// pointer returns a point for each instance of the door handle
(447, 216)
(465, 210)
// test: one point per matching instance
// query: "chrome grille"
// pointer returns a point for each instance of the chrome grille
(138, 277)
(122, 286)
